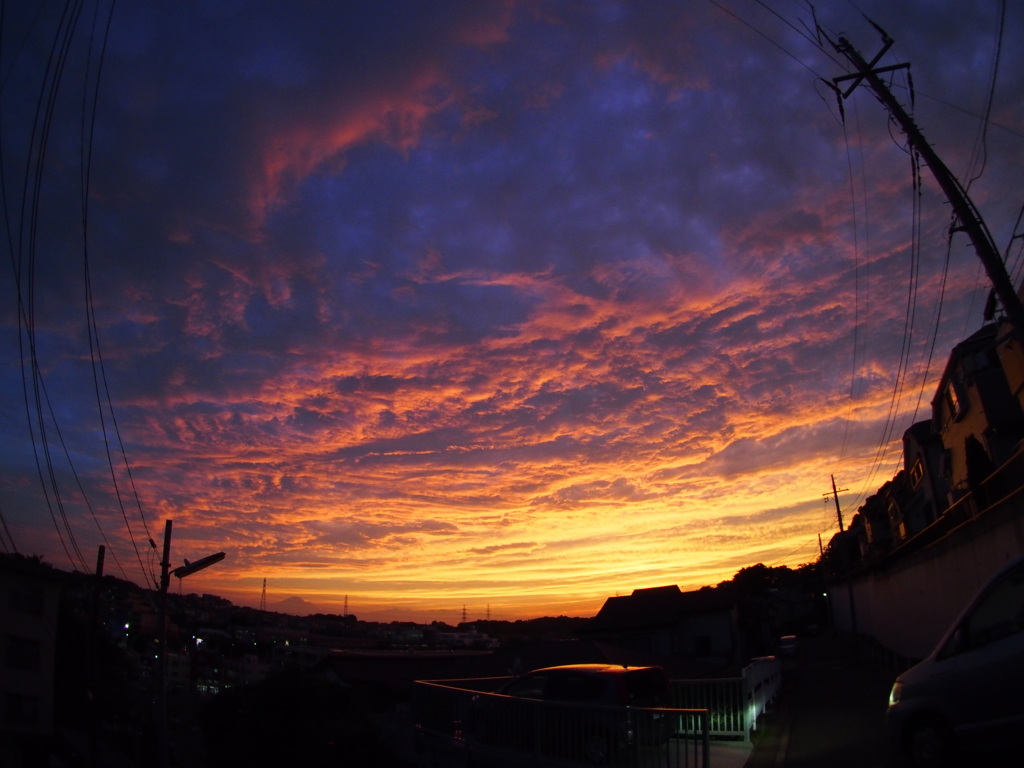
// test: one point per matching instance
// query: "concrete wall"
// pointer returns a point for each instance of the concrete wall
(909, 606)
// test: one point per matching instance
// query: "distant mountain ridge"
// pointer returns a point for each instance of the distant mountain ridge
(295, 606)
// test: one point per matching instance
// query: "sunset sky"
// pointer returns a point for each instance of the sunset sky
(519, 304)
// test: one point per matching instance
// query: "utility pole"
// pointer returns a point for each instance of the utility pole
(161, 663)
(964, 208)
(94, 662)
(835, 496)
(844, 553)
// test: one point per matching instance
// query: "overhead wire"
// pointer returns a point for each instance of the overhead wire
(958, 108)
(24, 39)
(7, 530)
(24, 263)
(812, 40)
(41, 394)
(30, 205)
(881, 450)
(937, 321)
(766, 37)
(78, 480)
(92, 326)
(981, 142)
(1014, 269)
(856, 291)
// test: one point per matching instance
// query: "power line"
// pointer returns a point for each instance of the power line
(81, 489)
(983, 129)
(92, 327)
(10, 538)
(856, 291)
(958, 108)
(762, 34)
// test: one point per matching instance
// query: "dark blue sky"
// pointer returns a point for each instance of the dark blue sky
(518, 303)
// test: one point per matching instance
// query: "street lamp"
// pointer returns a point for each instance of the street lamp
(189, 568)
(186, 570)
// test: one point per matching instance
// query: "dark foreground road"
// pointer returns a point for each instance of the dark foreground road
(831, 712)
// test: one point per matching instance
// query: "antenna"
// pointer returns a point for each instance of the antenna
(345, 613)
(488, 611)
(263, 597)
(463, 613)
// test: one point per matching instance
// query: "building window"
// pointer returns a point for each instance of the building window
(916, 473)
(956, 397)
(22, 654)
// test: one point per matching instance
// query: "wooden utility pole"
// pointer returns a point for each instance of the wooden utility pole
(835, 497)
(94, 662)
(161, 664)
(968, 214)
(845, 555)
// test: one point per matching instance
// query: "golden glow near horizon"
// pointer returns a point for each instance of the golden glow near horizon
(520, 305)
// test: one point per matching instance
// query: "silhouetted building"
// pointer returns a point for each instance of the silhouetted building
(664, 620)
(928, 495)
(29, 598)
(975, 412)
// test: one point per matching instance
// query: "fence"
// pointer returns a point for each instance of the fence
(733, 703)
(469, 727)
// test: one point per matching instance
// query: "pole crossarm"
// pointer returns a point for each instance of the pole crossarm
(860, 77)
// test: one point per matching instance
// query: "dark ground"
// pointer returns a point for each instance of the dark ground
(831, 711)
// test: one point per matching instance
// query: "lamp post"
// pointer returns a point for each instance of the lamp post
(161, 668)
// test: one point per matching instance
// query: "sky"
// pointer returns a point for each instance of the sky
(512, 305)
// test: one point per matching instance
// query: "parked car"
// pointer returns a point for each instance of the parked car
(787, 646)
(966, 697)
(595, 684)
(603, 722)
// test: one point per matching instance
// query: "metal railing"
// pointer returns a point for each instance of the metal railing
(733, 703)
(467, 727)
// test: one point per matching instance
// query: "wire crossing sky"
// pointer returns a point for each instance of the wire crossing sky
(508, 303)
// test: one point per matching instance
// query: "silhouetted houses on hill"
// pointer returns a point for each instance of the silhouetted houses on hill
(977, 426)
(664, 620)
(29, 601)
(927, 490)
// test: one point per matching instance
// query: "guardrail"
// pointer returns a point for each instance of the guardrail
(733, 703)
(468, 727)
